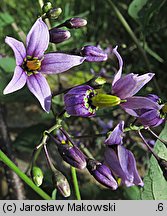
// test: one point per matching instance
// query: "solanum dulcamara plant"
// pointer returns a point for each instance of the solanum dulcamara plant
(118, 166)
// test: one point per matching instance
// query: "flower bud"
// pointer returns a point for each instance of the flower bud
(54, 13)
(102, 174)
(104, 100)
(37, 175)
(93, 54)
(58, 35)
(75, 22)
(61, 183)
(72, 155)
(47, 7)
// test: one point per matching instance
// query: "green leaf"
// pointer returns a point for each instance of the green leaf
(135, 7)
(5, 19)
(7, 64)
(155, 185)
(143, 10)
(132, 193)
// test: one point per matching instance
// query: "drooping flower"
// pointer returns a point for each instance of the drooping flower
(125, 87)
(153, 117)
(84, 101)
(150, 112)
(78, 101)
(101, 173)
(31, 63)
(120, 160)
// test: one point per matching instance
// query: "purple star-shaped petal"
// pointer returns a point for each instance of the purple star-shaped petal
(115, 137)
(31, 63)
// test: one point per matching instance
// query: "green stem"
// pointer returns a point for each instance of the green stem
(41, 3)
(75, 182)
(24, 177)
(19, 31)
(129, 30)
(156, 136)
(134, 38)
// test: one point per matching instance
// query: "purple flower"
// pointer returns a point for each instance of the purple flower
(101, 173)
(78, 101)
(93, 54)
(148, 110)
(127, 86)
(31, 63)
(120, 160)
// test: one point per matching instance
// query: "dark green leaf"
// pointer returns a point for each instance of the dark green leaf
(155, 187)
(132, 193)
(135, 7)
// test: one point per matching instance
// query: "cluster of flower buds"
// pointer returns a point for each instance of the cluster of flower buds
(74, 156)
(51, 13)
(58, 35)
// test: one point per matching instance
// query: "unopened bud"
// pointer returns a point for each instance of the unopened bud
(54, 13)
(72, 155)
(102, 174)
(37, 175)
(47, 7)
(58, 35)
(104, 100)
(75, 22)
(61, 183)
(93, 54)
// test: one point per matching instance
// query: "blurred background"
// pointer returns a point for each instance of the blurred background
(23, 121)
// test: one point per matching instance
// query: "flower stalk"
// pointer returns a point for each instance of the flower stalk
(162, 162)
(23, 176)
(75, 183)
(134, 38)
